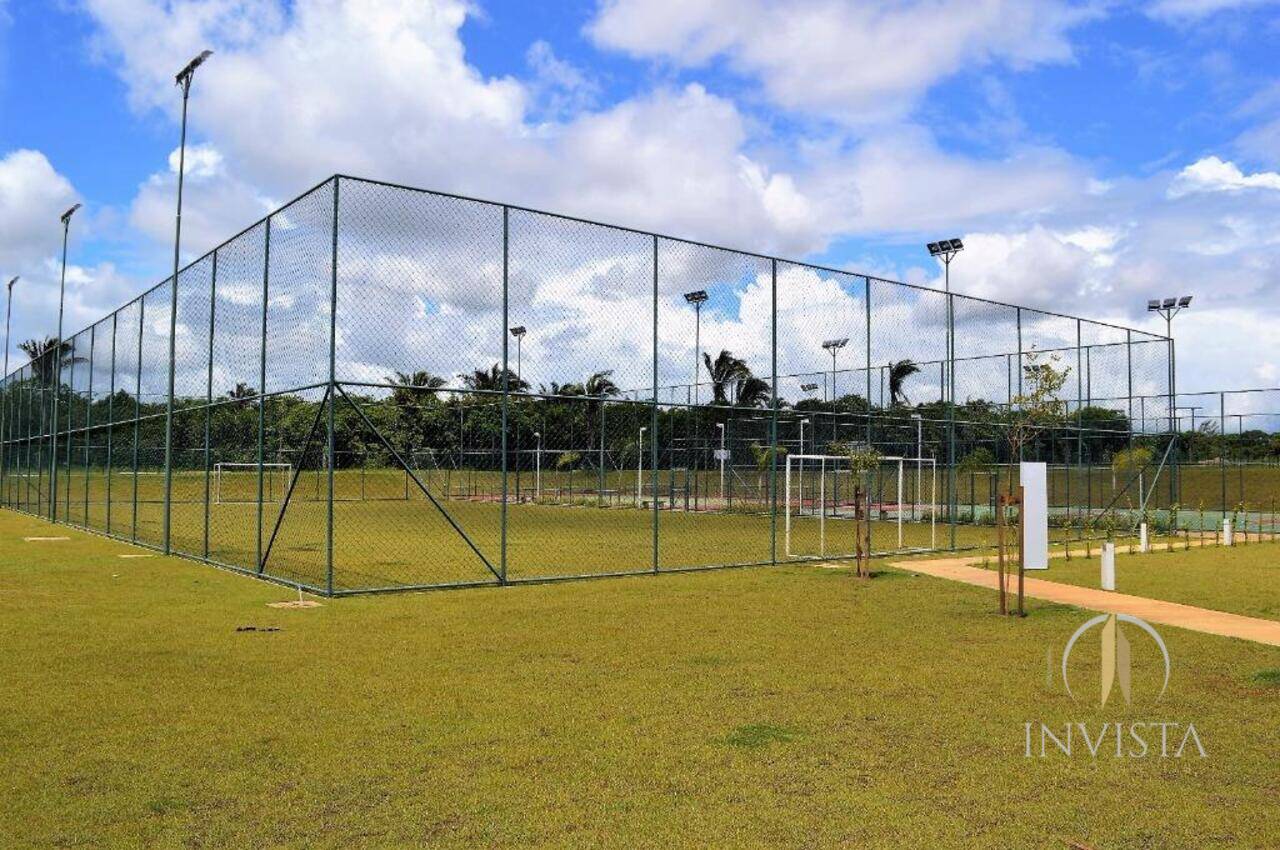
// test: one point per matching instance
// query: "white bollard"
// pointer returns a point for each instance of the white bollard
(1108, 566)
(1226, 532)
(1144, 545)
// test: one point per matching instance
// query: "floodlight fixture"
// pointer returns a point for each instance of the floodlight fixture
(519, 331)
(66, 216)
(1169, 302)
(697, 297)
(1184, 301)
(946, 250)
(808, 387)
(183, 77)
(835, 344)
(12, 282)
(1153, 304)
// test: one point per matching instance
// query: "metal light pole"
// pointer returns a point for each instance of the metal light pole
(834, 346)
(56, 369)
(1169, 308)
(697, 299)
(518, 332)
(183, 81)
(946, 250)
(640, 466)
(4, 418)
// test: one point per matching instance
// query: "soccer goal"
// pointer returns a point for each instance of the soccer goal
(237, 483)
(819, 504)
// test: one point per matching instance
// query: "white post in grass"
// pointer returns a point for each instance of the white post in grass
(640, 467)
(1226, 532)
(803, 422)
(1108, 566)
(1144, 543)
(537, 460)
(720, 425)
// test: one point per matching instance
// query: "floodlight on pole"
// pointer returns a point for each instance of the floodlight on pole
(945, 249)
(518, 332)
(55, 368)
(834, 346)
(697, 298)
(183, 80)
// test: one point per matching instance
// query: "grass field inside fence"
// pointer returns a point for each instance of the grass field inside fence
(788, 706)
(560, 523)
(388, 534)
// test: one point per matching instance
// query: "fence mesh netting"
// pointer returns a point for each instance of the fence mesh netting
(378, 387)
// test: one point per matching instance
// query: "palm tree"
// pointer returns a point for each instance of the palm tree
(242, 392)
(601, 385)
(724, 371)
(42, 354)
(899, 371)
(751, 391)
(490, 380)
(407, 382)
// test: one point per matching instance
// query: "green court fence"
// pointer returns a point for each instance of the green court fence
(377, 387)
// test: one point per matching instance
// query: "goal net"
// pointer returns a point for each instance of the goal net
(819, 504)
(237, 483)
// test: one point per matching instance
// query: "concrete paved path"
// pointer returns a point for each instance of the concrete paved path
(1152, 610)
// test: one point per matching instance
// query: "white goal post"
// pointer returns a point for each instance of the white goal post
(237, 483)
(820, 487)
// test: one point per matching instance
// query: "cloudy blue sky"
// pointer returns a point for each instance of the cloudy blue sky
(1092, 154)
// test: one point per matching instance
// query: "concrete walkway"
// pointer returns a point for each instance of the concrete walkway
(1151, 610)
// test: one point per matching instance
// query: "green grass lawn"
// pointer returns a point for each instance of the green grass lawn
(1243, 579)
(760, 707)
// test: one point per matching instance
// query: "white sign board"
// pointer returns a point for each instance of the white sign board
(1035, 516)
(722, 454)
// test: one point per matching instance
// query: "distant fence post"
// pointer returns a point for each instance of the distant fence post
(332, 389)
(506, 388)
(262, 381)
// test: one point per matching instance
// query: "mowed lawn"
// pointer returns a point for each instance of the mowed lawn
(787, 706)
(1241, 579)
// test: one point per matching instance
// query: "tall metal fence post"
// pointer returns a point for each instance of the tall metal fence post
(1222, 455)
(951, 419)
(1173, 424)
(1080, 407)
(262, 381)
(653, 418)
(332, 390)
(137, 414)
(506, 388)
(88, 422)
(111, 417)
(866, 301)
(773, 404)
(208, 401)
(1128, 352)
(166, 518)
